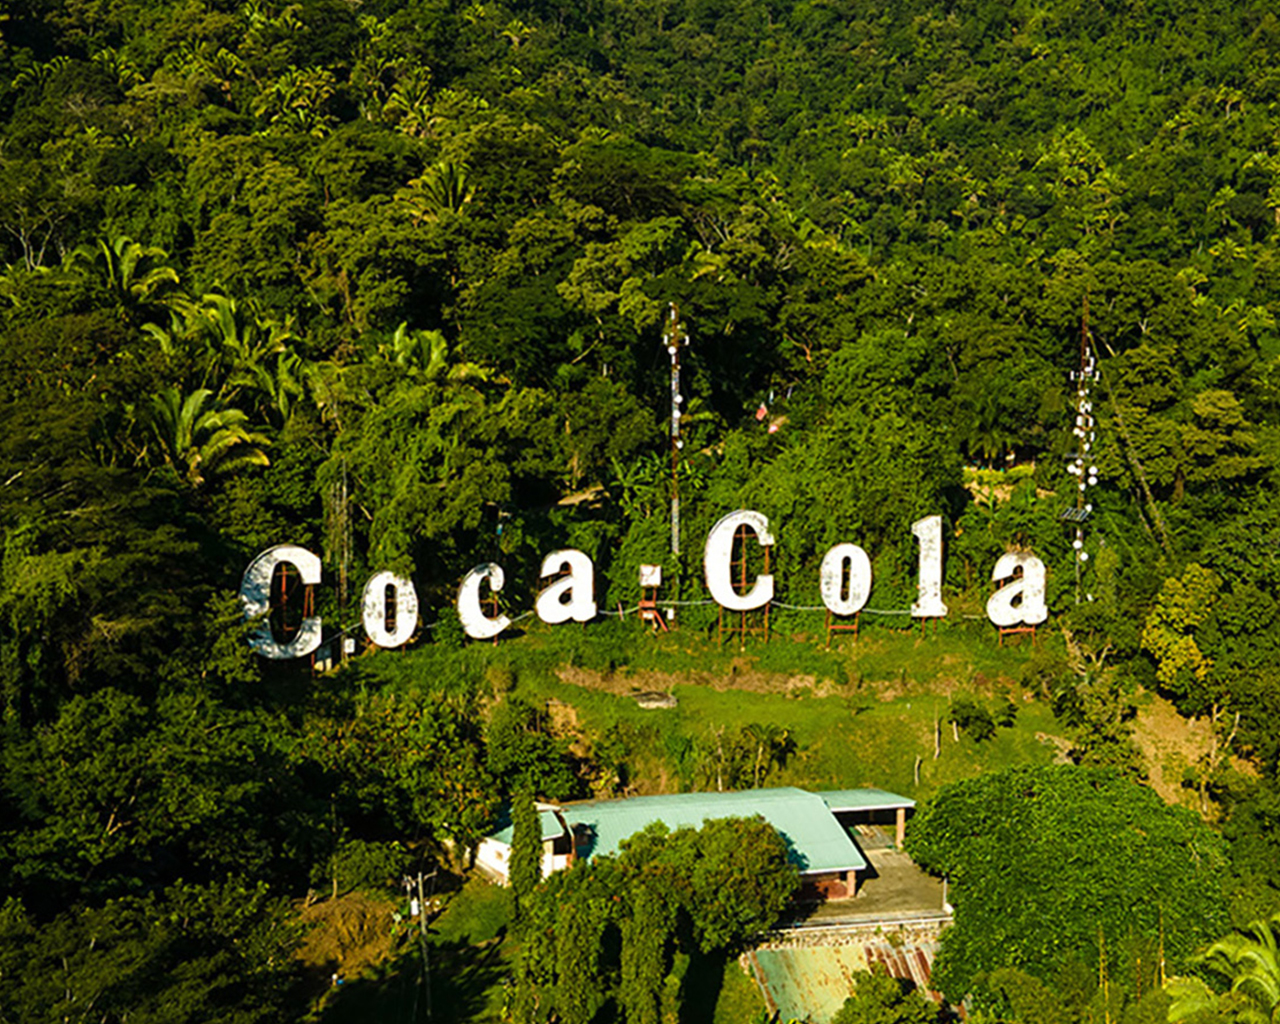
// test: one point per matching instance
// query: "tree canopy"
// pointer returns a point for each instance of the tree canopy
(1051, 865)
(389, 281)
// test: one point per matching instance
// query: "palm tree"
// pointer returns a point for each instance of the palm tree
(771, 744)
(408, 104)
(227, 345)
(224, 67)
(984, 426)
(135, 275)
(640, 486)
(443, 188)
(119, 67)
(1189, 997)
(297, 100)
(239, 332)
(201, 441)
(38, 74)
(169, 339)
(427, 353)
(1250, 959)
(278, 383)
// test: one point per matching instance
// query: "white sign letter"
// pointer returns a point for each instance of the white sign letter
(477, 625)
(718, 557)
(832, 579)
(572, 597)
(255, 600)
(1027, 591)
(928, 603)
(374, 603)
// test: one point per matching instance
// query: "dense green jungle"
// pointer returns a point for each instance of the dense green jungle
(388, 279)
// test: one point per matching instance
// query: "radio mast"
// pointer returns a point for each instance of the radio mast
(674, 338)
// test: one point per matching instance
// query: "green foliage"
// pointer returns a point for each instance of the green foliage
(645, 933)
(372, 866)
(1095, 702)
(745, 757)
(526, 846)
(478, 912)
(1252, 809)
(973, 719)
(880, 999)
(521, 752)
(448, 631)
(189, 953)
(412, 763)
(1013, 994)
(674, 900)
(740, 881)
(111, 792)
(1183, 605)
(389, 283)
(1054, 865)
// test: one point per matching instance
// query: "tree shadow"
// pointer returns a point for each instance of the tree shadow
(455, 985)
(702, 985)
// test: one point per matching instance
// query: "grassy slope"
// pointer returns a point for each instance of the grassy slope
(860, 715)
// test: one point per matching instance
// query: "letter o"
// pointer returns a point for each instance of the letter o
(374, 604)
(832, 579)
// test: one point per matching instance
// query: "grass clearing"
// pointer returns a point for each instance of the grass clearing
(861, 713)
(849, 735)
(477, 913)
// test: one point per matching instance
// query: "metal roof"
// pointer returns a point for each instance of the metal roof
(864, 800)
(551, 827)
(816, 842)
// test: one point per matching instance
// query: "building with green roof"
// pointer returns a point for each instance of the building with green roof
(815, 826)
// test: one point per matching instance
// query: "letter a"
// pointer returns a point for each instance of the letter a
(572, 597)
(1022, 601)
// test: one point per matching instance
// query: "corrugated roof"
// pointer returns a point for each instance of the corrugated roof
(551, 827)
(864, 800)
(816, 842)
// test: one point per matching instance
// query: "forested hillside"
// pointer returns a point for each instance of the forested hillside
(387, 280)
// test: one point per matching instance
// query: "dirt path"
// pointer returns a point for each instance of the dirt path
(741, 676)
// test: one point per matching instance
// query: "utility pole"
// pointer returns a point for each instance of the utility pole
(674, 338)
(422, 932)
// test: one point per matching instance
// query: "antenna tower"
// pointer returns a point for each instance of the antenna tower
(674, 338)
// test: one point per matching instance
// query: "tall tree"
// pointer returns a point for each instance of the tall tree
(526, 847)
